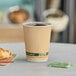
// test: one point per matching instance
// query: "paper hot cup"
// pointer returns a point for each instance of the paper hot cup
(37, 40)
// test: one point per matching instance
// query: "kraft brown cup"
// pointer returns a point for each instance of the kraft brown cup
(37, 41)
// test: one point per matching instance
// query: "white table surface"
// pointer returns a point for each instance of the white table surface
(58, 52)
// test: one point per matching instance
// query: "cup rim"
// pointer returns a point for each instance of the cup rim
(31, 24)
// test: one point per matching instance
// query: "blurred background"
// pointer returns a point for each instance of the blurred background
(60, 13)
(68, 7)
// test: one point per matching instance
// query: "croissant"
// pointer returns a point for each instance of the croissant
(5, 54)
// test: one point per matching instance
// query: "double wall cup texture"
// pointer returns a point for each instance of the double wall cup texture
(37, 41)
